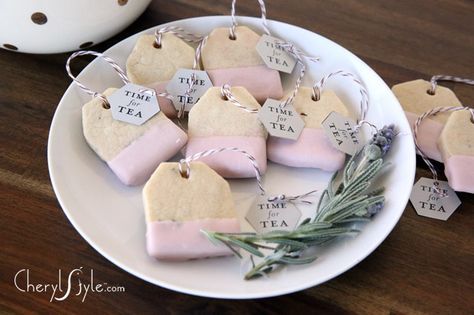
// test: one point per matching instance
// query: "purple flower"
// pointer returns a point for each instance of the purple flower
(374, 209)
(384, 138)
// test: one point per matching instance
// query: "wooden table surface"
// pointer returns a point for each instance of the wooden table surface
(425, 266)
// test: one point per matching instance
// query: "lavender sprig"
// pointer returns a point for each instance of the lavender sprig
(350, 202)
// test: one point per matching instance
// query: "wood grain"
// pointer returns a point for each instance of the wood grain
(424, 266)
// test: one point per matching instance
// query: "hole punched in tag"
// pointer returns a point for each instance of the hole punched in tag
(225, 90)
(143, 100)
(263, 11)
(316, 93)
(106, 104)
(176, 31)
(441, 77)
(184, 172)
(158, 36)
(419, 96)
(110, 61)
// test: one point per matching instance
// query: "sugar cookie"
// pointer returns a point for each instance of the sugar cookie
(178, 208)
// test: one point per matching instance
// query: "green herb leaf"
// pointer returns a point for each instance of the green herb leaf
(336, 211)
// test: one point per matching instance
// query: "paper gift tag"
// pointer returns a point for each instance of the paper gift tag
(341, 132)
(415, 100)
(215, 122)
(273, 55)
(237, 63)
(282, 122)
(177, 208)
(428, 203)
(147, 64)
(133, 104)
(132, 152)
(456, 144)
(313, 148)
(265, 216)
(180, 84)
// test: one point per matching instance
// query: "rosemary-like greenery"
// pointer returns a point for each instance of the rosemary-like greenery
(347, 199)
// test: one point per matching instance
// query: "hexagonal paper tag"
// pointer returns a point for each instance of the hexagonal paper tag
(429, 204)
(340, 131)
(133, 104)
(181, 82)
(265, 216)
(274, 56)
(282, 122)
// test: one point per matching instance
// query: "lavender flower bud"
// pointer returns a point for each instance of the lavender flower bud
(374, 209)
(383, 139)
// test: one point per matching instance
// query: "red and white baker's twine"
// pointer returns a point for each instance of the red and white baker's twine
(191, 84)
(184, 35)
(177, 31)
(299, 55)
(227, 94)
(287, 46)
(185, 170)
(114, 65)
(441, 77)
(197, 54)
(364, 96)
(234, 21)
(189, 37)
(232, 35)
(185, 162)
(416, 127)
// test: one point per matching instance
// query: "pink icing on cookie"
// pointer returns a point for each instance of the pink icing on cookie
(135, 164)
(427, 136)
(166, 105)
(459, 171)
(231, 164)
(312, 149)
(170, 240)
(261, 81)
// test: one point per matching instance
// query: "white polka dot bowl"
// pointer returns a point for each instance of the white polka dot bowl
(54, 26)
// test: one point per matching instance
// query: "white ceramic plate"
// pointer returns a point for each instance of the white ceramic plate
(110, 215)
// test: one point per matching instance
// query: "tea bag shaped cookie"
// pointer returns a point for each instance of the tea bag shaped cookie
(215, 122)
(415, 100)
(236, 62)
(456, 144)
(178, 208)
(312, 149)
(154, 66)
(132, 152)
